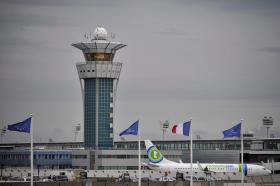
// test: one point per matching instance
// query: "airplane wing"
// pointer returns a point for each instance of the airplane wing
(144, 164)
(150, 165)
(205, 170)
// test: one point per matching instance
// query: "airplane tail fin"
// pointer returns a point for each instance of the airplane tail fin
(154, 155)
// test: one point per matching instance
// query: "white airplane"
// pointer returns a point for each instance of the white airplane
(158, 162)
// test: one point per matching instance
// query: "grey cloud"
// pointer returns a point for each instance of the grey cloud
(170, 31)
(271, 50)
(54, 3)
(38, 90)
(41, 2)
(188, 90)
(28, 19)
(215, 68)
(250, 6)
(17, 41)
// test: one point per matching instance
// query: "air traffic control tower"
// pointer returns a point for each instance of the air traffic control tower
(99, 77)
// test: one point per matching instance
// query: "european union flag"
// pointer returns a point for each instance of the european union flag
(133, 129)
(233, 131)
(23, 126)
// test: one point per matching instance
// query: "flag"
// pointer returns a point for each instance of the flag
(23, 126)
(133, 129)
(182, 128)
(233, 131)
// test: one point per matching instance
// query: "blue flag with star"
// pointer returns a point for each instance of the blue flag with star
(23, 126)
(233, 131)
(132, 130)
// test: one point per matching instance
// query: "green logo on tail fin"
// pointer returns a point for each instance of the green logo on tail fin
(154, 155)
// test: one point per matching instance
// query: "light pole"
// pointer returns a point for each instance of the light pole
(267, 122)
(77, 129)
(3, 132)
(164, 126)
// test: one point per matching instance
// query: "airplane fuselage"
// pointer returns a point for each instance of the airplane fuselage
(249, 169)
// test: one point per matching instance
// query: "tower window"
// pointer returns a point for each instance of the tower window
(98, 56)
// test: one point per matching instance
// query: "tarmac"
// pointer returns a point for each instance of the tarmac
(271, 180)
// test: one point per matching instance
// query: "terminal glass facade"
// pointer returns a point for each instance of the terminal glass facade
(98, 113)
(44, 159)
(249, 144)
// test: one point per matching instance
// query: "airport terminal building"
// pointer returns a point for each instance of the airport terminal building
(124, 155)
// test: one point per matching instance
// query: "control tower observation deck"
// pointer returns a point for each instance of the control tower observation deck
(99, 77)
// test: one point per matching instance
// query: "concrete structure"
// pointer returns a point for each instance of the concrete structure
(99, 77)
(123, 156)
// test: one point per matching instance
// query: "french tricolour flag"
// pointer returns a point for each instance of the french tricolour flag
(182, 128)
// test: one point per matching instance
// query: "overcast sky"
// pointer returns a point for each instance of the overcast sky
(214, 61)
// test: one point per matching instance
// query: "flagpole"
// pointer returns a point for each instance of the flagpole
(31, 150)
(242, 160)
(139, 157)
(191, 155)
